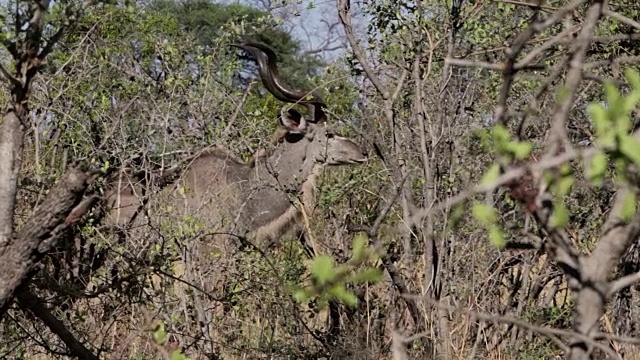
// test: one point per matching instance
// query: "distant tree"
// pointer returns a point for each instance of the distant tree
(208, 21)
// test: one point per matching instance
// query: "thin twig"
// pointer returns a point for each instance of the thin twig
(617, 61)
(551, 333)
(492, 66)
(513, 52)
(623, 19)
(538, 50)
(28, 301)
(574, 76)
(623, 282)
(503, 179)
(345, 17)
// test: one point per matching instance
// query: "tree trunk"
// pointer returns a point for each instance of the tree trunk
(11, 140)
(42, 231)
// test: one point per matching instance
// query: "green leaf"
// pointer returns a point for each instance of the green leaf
(484, 214)
(631, 101)
(597, 168)
(522, 149)
(500, 135)
(565, 170)
(359, 244)
(106, 166)
(564, 184)
(301, 295)
(600, 120)
(560, 216)
(368, 275)
(456, 216)
(622, 121)
(628, 207)
(612, 94)
(322, 269)
(630, 147)
(344, 295)
(159, 335)
(548, 176)
(621, 169)
(177, 355)
(633, 77)
(491, 175)
(496, 238)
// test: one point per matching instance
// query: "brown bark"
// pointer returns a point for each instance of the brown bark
(11, 140)
(41, 232)
(593, 291)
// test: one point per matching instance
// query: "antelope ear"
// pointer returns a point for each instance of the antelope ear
(293, 121)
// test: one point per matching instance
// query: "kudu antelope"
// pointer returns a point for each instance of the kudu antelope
(254, 199)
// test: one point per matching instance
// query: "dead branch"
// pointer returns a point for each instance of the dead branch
(623, 282)
(551, 333)
(503, 179)
(345, 17)
(29, 301)
(623, 19)
(512, 53)
(372, 231)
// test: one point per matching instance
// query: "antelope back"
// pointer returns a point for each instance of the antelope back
(260, 197)
(211, 191)
(123, 199)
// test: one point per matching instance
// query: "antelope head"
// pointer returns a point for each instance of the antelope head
(311, 138)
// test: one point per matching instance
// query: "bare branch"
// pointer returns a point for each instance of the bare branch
(72, 18)
(475, 64)
(492, 66)
(513, 52)
(27, 64)
(623, 19)
(11, 47)
(11, 140)
(623, 282)
(505, 178)
(617, 61)
(372, 231)
(322, 48)
(30, 302)
(538, 50)
(615, 37)
(551, 333)
(574, 76)
(345, 17)
(48, 47)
